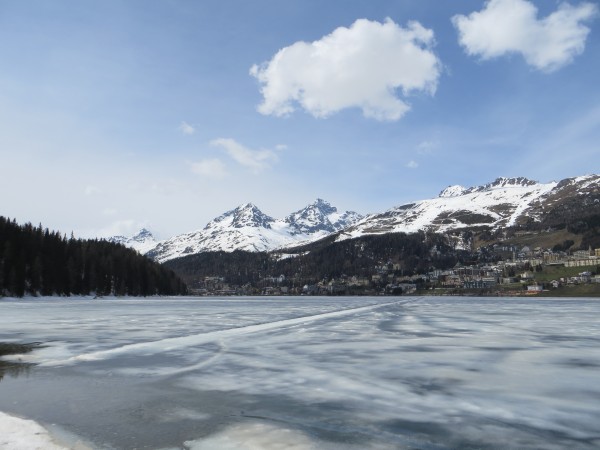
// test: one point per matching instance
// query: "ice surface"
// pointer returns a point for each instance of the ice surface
(305, 372)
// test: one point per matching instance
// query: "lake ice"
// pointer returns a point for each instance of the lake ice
(307, 373)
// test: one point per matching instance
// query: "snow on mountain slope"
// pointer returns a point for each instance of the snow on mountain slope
(143, 241)
(503, 202)
(500, 203)
(247, 228)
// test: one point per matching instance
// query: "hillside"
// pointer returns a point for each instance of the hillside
(500, 205)
(400, 253)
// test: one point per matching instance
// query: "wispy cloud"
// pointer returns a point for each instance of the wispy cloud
(109, 211)
(358, 67)
(412, 164)
(92, 190)
(255, 160)
(124, 227)
(426, 147)
(511, 26)
(186, 128)
(212, 168)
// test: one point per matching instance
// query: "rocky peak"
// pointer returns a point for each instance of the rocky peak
(143, 235)
(320, 216)
(518, 181)
(322, 206)
(452, 191)
(246, 215)
(315, 212)
(502, 182)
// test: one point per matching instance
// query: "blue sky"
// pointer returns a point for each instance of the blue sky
(121, 114)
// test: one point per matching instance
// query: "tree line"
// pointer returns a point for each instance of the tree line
(37, 261)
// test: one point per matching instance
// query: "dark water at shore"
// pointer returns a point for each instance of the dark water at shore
(311, 372)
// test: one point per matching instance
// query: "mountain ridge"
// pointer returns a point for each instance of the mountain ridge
(502, 203)
(248, 228)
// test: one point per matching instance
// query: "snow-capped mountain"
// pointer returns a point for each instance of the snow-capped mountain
(248, 228)
(320, 216)
(504, 202)
(142, 241)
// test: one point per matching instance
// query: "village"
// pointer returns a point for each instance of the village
(517, 271)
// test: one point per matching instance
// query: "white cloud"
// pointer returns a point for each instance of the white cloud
(212, 168)
(281, 147)
(512, 26)
(256, 160)
(426, 147)
(186, 128)
(412, 164)
(125, 227)
(362, 66)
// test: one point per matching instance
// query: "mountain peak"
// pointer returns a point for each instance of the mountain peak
(246, 215)
(515, 181)
(502, 182)
(320, 216)
(142, 241)
(452, 191)
(322, 205)
(143, 235)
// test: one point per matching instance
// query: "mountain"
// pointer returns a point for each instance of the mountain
(143, 241)
(320, 216)
(248, 228)
(505, 202)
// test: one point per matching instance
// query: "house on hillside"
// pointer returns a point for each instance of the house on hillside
(534, 288)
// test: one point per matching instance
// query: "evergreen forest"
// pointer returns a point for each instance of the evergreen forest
(36, 261)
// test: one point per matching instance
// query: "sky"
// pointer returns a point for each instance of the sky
(117, 115)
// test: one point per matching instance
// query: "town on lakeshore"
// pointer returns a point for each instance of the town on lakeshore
(520, 271)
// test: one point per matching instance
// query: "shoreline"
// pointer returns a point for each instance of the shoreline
(19, 433)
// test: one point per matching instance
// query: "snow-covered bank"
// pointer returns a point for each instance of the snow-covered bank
(21, 434)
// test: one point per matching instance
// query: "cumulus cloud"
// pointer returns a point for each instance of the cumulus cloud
(512, 26)
(187, 129)
(256, 160)
(412, 164)
(364, 66)
(212, 168)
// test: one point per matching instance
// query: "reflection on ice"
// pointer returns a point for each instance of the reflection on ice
(254, 436)
(329, 372)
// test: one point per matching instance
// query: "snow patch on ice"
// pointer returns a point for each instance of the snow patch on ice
(254, 436)
(24, 434)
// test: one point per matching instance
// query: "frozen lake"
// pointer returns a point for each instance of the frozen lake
(308, 373)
